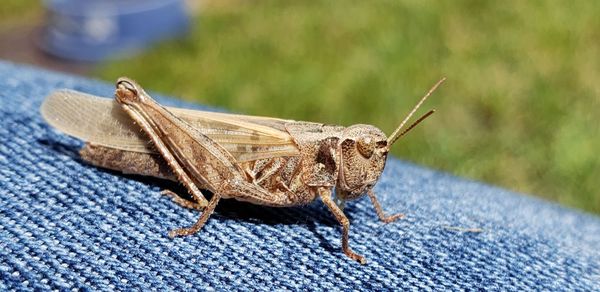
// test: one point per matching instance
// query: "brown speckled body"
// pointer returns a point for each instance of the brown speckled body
(128, 162)
(296, 180)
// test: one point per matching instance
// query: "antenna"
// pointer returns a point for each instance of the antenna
(414, 124)
(397, 134)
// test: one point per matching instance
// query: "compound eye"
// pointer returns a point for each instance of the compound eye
(365, 146)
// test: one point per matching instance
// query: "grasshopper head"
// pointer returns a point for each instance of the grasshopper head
(363, 150)
(128, 91)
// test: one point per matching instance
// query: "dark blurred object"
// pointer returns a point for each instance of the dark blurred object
(95, 30)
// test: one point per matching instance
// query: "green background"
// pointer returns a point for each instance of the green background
(520, 107)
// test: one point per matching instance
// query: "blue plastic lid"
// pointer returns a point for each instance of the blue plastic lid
(95, 30)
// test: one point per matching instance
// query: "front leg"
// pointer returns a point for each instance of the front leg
(379, 210)
(343, 220)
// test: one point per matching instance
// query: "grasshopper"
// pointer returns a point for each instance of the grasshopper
(261, 160)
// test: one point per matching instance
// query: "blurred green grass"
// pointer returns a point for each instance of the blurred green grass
(19, 11)
(519, 108)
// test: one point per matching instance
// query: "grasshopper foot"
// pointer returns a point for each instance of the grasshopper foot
(355, 256)
(392, 218)
(183, 232)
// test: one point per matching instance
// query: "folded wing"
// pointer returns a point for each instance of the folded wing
(101, 121)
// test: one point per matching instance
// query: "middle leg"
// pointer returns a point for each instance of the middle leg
(343, 220)
(208, 210)
(183, 202)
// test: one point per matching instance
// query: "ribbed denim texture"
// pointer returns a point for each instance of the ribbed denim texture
(65, 224)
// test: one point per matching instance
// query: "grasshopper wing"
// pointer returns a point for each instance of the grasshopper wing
(101, 121)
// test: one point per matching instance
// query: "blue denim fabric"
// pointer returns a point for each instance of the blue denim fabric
(66, 224)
